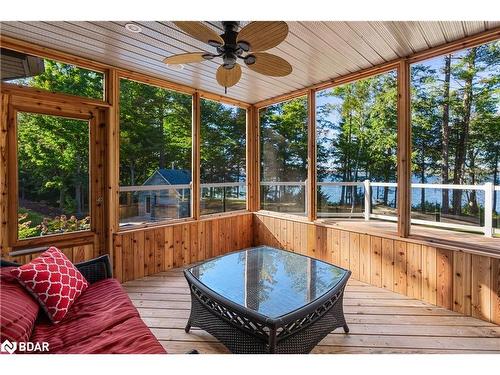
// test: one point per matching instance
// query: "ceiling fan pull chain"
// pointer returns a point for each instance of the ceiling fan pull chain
(225, 90)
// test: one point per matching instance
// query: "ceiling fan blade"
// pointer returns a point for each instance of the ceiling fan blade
(269, 64)
(263, 35)
(228, 77)
(201, 32)
(186, 58)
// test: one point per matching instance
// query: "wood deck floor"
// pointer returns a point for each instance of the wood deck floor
(380, 321)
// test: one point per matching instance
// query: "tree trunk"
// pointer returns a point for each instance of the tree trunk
(161, 161)
(78, 198)
(422, 178)
(445, 134)
(132, 174)
(473, 195)
(495, 182)
(463, 137)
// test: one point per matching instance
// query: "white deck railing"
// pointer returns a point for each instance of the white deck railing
(178, 187)
(489, 194)
(488, 188)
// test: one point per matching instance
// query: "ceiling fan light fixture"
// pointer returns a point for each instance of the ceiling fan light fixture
(133, 28)
(245, 46)
(250, 59)
(215, 43)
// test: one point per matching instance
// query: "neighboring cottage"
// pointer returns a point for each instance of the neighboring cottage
(157, 204)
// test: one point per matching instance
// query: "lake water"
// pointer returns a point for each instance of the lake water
(432, 195)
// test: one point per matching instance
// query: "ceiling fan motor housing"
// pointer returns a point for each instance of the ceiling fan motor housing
(230, 51)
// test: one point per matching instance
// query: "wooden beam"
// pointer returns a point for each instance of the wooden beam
(98, 179)
(311, 156)
(4, 217)
(256, 159)
(224, 99)
(456, 45)
(281, 98)
(404, 150)
(195, 159)
(37, 94)
(12, 173)
(112, 158)
(251, 177)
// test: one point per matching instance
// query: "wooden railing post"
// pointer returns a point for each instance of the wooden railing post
(404, 150)
(489, 194)
(195, 159)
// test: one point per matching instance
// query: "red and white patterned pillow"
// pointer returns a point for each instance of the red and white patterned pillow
(54, 281)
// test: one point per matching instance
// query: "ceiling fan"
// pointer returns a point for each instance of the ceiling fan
(246, 44)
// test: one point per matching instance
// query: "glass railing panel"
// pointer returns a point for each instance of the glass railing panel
(222, 197)
(150, 204)
(340, 199)
(287, 197)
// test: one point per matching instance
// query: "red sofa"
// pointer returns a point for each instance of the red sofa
(102, 320)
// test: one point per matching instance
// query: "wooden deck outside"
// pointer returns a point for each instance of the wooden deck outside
(380, 321)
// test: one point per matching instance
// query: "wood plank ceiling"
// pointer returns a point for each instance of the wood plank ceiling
(317, 51)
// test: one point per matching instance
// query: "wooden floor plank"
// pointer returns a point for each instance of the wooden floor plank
(380, 321)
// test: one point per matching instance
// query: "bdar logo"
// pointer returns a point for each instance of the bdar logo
(8, 347)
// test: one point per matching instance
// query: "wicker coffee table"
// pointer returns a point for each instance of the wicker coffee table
(265, 300)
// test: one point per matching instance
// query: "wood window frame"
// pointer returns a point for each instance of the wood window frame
(249, 150)
(310, 184)
(50, 104)
(114, 78)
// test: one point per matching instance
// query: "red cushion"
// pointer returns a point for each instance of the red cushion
(129, 337)
(18, 310)
(102, 320)
(54, 281)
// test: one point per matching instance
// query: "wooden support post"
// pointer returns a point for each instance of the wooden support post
(256, 158)
(311, 156)
(404, 150)
(112, 158)
(252, 181)
(4, 224)
(195, 159)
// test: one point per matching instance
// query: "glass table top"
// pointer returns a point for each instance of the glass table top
(269, 281)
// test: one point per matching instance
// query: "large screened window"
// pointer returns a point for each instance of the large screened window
(356, 132)
(223, 158)
(155, 154)
(53, 175)
(283, 156)
(32, 71)
(456, 139)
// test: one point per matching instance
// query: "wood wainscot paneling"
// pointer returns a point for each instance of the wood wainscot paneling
(143, 252)
(457, 280)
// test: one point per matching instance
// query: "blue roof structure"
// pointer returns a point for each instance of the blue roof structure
(173, 176)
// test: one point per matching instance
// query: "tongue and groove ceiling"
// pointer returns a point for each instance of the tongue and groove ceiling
(318, 51)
